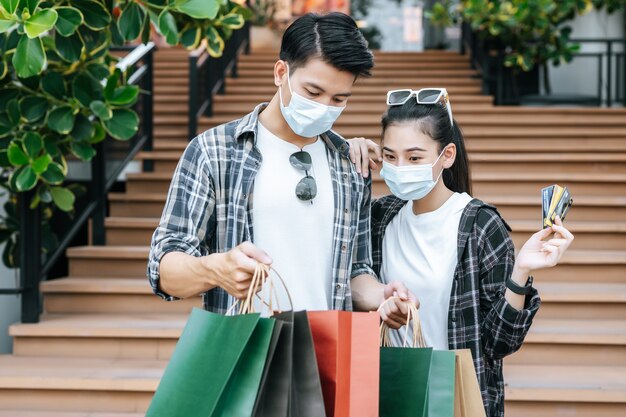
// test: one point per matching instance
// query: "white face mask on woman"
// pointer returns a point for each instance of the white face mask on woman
(306, 117)
(410, 182)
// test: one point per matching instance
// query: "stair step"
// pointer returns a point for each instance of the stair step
(77, 384)
(381, 90)
(105, 295)
(108, 261)
(382, 84)
(581, 300)
(251, 100)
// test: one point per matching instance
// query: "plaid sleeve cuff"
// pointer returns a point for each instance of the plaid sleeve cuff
(519, 319)
(156, 254)
(362, 269)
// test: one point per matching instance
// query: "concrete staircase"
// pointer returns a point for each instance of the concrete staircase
(104, 339)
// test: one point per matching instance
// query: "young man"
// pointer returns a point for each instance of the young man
(277, 182)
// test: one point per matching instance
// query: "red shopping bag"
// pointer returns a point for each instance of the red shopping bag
(347, 351)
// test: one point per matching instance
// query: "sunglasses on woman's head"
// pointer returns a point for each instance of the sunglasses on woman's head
(423, 96)
(307, 188)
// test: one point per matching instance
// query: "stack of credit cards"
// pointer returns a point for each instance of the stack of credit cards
(556, 201)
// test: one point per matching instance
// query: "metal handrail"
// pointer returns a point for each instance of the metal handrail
(207, 75)
(32, 268)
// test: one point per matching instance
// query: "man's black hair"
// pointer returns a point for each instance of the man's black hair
(333, 37)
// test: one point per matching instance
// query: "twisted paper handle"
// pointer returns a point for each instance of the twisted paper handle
(411, 315)
(262, 276)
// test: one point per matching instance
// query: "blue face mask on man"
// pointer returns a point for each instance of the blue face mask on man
(306, 117)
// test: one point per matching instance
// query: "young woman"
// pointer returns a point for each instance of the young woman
(452, 252)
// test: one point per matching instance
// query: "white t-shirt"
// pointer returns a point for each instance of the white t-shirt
(297, 234)
(421, 251)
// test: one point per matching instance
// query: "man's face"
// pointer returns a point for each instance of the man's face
(316, 80)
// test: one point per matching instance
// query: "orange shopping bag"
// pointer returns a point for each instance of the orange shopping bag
(348, 357)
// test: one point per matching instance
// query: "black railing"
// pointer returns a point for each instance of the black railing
(604, 56)
(207, 76)
(137, 66)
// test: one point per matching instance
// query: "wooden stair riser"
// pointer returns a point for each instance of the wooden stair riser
(578, 212)
(562, 409)
(81, 303)
(568, 354)
(75, 400)
(579, 310)
(114, 267)
(95, 347)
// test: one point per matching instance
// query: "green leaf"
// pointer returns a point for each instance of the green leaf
(26, 180)
(130, 22)
(10, 5)
(33, 108)
(33, 144)
(246, 13)
(6, 24)
(167, 26)
(112, 81)
(61, 120)
(54, 175)
(16, 155)
(95, 15)
(101, 110)
(86, 89)
(125, 96)
(99, 133)
(29, 58)
(123, 125)
(190, 37)
(146, 31)
(53, 84)
(69, 20)
(83, 129)
(6, 95)
(232, 21)
(198, 9)
(10, 254)
(63, 198)
(13, 111)
(70, 48)
(41, 164)
(44, 194)
(83, 150)
(31, 5)
(40, 22)
(49, 143)
(98, 71)
(95, 41)
(215, 44)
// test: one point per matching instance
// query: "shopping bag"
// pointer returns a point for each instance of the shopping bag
(348, 358)
(468, 401)
(216, 367)
(415, 380)
(291, 383)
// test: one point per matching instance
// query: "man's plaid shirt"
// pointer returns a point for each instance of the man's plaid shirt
(479, 317)
(209, 207)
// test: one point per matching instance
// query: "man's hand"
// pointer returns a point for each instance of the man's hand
(360, 155)
(394, 312)
(234, 269)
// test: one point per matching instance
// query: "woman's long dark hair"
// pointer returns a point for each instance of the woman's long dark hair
(433, 120)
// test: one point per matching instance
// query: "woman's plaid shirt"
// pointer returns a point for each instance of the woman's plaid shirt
(209, 207)
(479, 317)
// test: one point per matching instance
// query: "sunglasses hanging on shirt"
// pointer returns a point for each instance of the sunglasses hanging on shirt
(306, 190)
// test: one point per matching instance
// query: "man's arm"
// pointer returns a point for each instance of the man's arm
(179, 265)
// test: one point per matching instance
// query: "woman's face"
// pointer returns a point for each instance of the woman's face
(404, 144)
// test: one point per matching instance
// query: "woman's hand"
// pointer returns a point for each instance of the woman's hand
(543, 250)
(360, 149)
(394, 312)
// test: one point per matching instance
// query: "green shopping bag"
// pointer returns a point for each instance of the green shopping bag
(416, 381)
(216, 367)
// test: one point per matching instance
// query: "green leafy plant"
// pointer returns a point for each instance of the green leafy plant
(60, 91)
(263, 12)
(532, 32)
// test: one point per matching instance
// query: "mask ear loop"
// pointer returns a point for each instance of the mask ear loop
(280, 87)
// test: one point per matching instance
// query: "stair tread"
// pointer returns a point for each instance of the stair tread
(143, 222)
(125, 252)
(80, 373)
(557, 383)
(573, 226)
(148, 325)
(582, 292)
(89, 285)
(562, 331)
(565, 383)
